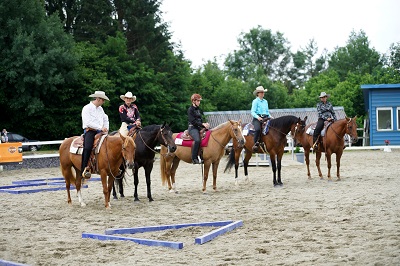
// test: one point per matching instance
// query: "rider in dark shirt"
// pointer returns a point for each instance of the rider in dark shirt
(195, 125)
(325, 113)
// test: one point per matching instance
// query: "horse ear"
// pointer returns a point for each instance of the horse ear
(169, 124)
(305, 118)
(122, 137)
(163, 125)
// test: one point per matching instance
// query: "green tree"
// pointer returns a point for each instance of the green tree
(37, 67)
(94, 21)
(355, 57)
(259, 49)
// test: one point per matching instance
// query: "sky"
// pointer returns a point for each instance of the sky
(208, 29)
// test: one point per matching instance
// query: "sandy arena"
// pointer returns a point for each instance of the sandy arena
(355, 221)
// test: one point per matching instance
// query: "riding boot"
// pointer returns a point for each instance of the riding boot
(256, 141)
(315, 144)
(85, 161)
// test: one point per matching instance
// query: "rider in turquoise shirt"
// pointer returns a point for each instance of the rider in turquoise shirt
(259, 111)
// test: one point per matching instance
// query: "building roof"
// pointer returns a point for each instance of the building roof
(219, 117)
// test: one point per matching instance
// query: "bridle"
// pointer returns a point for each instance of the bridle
(234, 133)
(160, 132)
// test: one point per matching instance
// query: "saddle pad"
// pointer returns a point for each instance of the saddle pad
(188, 143)
(77, 148)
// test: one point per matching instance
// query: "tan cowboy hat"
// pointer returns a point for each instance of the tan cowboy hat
(323, 94)
(128, 95)
(99, 94)
(259, 89)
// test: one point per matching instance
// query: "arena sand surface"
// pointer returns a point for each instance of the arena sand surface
(306, 222)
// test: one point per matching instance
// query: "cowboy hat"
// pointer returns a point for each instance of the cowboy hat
(128, 95)
(99, 94)
(259, 89)
(323, 94)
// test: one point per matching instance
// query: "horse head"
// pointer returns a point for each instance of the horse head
(298, 130)
(166, 138)
(351, 129)
(128, 151)
(237, 132)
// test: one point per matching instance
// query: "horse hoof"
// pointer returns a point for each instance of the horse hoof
(122, 196)
(151, 200)
(115, 198)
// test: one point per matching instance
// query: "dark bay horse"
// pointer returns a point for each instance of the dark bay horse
(146, 140)
(212, 154)
(274, 142)
(112, 153)
(332, 142)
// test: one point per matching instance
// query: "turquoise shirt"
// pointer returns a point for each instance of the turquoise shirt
(259, 107)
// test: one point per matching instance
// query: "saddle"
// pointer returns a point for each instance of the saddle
(77, 148)
(186, 136)
(133, 130)
(248, 129)
(319, 141)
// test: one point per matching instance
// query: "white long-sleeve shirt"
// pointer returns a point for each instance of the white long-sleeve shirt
(94, 117)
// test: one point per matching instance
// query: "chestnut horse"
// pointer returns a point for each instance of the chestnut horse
(332, 142)
(212, 154)
(112, 153)
(274, 143)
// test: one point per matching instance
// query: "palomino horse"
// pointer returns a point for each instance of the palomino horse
(112, 153)
(274, 143)
(332, 142)
(212, 154)
(146, 140)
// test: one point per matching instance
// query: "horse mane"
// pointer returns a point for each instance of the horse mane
(220, 126)
(283, 121)
(151, 128)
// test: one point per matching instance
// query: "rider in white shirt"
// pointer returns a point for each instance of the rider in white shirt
(94, 121)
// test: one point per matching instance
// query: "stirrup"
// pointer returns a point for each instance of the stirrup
(256, 146)
(86, 174)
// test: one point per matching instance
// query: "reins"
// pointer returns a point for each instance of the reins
(162, 136)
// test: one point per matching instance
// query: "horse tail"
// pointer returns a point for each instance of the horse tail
(231, 160)
(163, 167)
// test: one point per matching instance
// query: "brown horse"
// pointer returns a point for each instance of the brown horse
(332, 142)
(112, 153)
(212, 154)
(274, 143)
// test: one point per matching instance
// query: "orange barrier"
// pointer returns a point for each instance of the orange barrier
(11, 152)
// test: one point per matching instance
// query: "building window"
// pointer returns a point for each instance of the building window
(384, 118)
(398, 118)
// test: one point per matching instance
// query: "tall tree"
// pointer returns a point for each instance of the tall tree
(37, 65)
(355, 57)
(94, 21)
(259, 49)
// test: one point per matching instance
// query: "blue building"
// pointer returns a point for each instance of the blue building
(382, 102)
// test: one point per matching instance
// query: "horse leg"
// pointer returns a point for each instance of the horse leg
(173, 167)
(106, 194)
(147, 170)
(279, 160)
(78, 183)
(136, 182)
(307, 156)
(328, 158)
(317, 162)
(215, 170)
(109, 187)
(121, 187)
(273, 162)
(237, 156)
(67, 173)
(338, 156)
(246, 160)
(205, 177)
